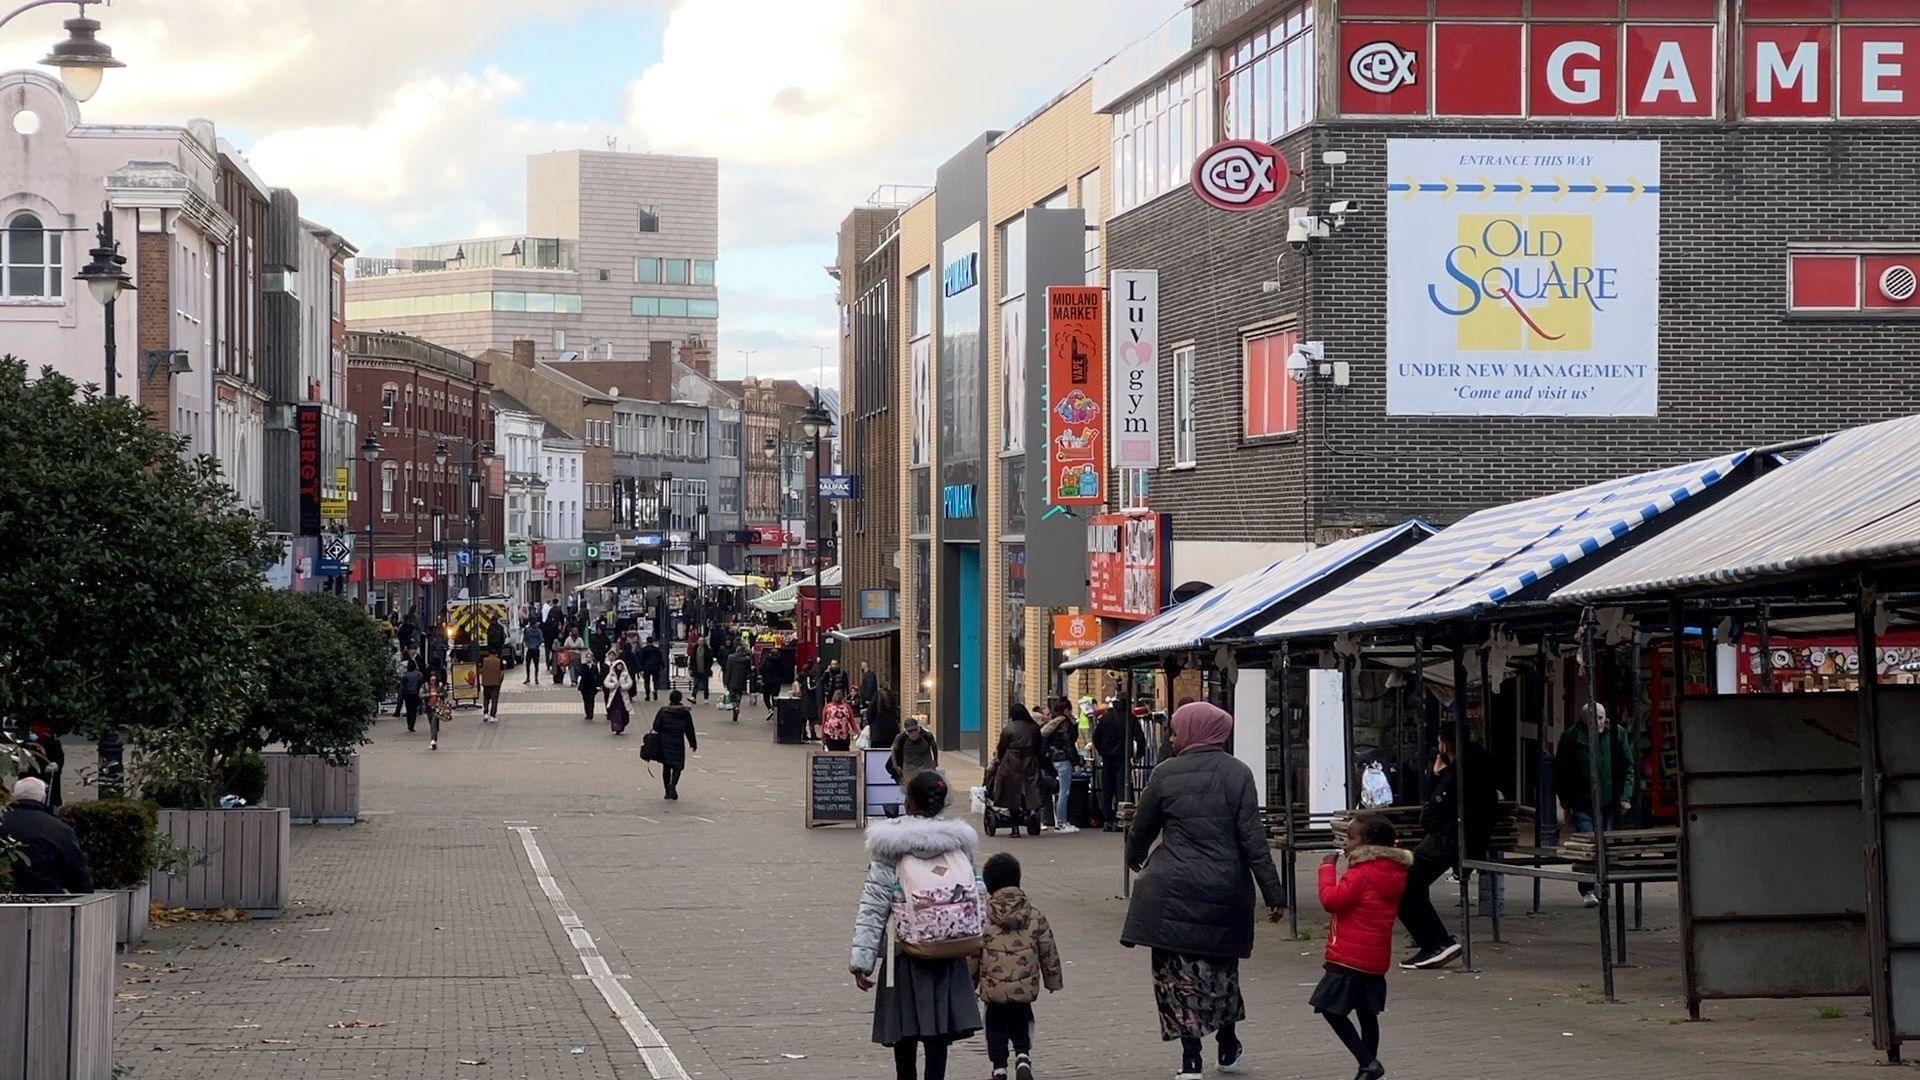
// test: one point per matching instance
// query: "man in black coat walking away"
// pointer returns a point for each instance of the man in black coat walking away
(1117, 731)
(674, 725)
(1439, 849)
(739, 675)
(50, 859)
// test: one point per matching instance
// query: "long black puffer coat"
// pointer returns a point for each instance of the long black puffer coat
(1014, 779)
(675, 725)
(1194, 894)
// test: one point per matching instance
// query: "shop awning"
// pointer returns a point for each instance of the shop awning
(394, 568)
(1488, 557)
(709, 575)
(865, 633)
(1852, 500)
(781, 601)
(636, 576)
(1225, 610)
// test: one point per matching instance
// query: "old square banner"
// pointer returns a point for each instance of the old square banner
(1523, 277)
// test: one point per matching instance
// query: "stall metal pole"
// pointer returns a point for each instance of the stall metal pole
(1348, 668)
(1125, 702)
(1459, 769)
(1766, 647)
(1633, 760)
(1872, 789)
(1545, 827)
(1424, 759)
(1677, 692)
(1494, 881)
(1286, 783)
(1589, 626)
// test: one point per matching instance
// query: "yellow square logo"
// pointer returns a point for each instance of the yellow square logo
(1526, 283)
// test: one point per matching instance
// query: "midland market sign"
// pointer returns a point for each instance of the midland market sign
(1523, 277)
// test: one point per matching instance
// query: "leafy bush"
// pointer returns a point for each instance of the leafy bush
(118, 837)
(244, 775)
(323, 668)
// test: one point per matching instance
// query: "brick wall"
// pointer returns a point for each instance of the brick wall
(1735, 369)
(154, 329)
(869, 432)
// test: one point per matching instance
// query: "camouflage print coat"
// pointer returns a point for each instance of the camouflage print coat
(1019, 955)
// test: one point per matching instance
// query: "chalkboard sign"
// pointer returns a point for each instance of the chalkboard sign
(833, 789)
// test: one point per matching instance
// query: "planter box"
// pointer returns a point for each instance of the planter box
(241, 860)
(314, 792)
(131, 923)
(56, 988)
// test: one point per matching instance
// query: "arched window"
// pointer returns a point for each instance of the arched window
(389, 481)
(29, 260)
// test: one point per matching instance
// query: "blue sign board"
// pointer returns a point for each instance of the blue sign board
(490, 563)
(465, 558)
(961, 274)
(840, 486)
(957, 500)
(648, 540)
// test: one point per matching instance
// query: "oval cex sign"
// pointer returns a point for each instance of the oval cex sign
(1240, 175)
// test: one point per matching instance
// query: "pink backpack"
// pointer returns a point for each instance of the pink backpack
(939, 907)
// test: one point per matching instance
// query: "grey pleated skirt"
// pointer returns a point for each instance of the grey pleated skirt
(929, 999)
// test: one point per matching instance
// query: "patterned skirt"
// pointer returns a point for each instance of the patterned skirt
(1197, 995)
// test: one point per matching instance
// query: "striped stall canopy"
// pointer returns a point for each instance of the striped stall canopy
(1487, 558)
(1218, 612)
(1853, 499)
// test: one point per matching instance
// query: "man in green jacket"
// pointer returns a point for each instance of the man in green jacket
(1573, 782)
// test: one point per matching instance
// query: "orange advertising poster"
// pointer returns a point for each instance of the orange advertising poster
(1075, 631)
(1076, 395)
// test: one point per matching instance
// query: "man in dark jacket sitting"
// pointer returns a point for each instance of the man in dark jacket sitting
(1439, 848)
(49, 859)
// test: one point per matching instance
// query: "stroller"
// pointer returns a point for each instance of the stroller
(994, 818)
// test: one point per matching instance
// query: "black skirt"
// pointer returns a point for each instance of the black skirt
(1342, 991)
(929, 999)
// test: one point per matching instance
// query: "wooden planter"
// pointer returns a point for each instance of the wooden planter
(56, 988)
(314, 792)
(241, 859)
(131, 923)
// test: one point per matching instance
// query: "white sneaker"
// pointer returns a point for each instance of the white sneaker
(1590, 900)
(434, 745)
(1065, 829)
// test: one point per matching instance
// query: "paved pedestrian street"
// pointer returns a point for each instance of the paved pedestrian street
(709, 939)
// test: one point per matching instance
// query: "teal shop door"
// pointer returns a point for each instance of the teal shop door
(971, 596)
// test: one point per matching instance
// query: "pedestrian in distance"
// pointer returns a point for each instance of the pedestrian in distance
(493, 672)
(1116, 733)
(619, 692)
(1061, 733)
(1017, 959)
(1439, 848)
(674, 726)
(531, 637)
(590, 676)
(739, 675)
(915, 751)
(439, 704)
(868, 690)
(49, 858)
(1193, 899)
(700, 667)
(1573, 782)
(412, 682)
(1361, 888)
(834, 680)
(1013, 780)
(570, 648)
(652, 661)
(838, 726)
(921, 1003)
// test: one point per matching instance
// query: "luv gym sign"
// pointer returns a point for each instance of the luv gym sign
(1523, 277)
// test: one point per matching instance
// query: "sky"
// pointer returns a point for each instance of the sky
(408, 121)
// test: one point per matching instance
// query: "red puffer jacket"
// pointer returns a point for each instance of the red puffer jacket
(1364, 902)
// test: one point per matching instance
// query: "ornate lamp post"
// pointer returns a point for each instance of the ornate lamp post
(370, 453)
(82, 59)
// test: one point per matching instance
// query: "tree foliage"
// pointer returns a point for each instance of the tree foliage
(324, 666)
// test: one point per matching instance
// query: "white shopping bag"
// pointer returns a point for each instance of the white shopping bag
(1375, 792)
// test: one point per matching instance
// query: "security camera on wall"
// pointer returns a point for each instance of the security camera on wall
(1303, 228)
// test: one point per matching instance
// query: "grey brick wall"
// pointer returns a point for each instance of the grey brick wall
(1736, 370)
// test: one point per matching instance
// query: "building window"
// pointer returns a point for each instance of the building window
(703, 309)
(675, 271)
(1013, 338)
(1272, 398)
(30, 259)
(389, 480)
(1159, 134)
(559, 340)
(729, 438)
(649, 217)
(672, 307)
(703, 272)
(920, 305)
(1840, 282)
(389, 401)
(646, 270)
(1183, 424)
(1266, 79)
(1090, 203)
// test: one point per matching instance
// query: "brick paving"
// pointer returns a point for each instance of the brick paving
(727, 923)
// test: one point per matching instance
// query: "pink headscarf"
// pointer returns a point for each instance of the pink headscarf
(1199, 724)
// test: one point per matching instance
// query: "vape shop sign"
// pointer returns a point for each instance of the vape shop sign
(1126, 565)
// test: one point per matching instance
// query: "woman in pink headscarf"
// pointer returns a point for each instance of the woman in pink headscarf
(1193, 901)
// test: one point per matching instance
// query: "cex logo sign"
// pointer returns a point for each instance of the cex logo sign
(1240, 175)
(1381, 67)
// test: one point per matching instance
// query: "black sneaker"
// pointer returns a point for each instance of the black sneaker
(1022, 1068)
(1233, 1056)
(1428, 959)
(1371, 1071)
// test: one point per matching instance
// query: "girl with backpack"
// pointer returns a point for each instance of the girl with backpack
(920, 923)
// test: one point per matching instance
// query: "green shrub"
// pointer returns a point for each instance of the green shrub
(117, 835)
(245, 776)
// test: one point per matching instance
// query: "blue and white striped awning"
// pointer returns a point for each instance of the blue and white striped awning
(1852, 500)
(1226, 608)
(1487, 558)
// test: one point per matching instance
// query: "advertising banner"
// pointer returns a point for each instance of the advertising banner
(1075, 631)
(1076, 392)
(840, 486)
(1523, 277)
(1136, 368)
(1126, 560)
(307, 424)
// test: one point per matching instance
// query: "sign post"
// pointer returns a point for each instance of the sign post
(836, 788)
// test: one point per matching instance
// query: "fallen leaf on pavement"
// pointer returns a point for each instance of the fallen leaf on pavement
(355, 1024)
(275, 959)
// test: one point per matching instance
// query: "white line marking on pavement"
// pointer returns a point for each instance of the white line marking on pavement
(654, 1052)
(708, 820)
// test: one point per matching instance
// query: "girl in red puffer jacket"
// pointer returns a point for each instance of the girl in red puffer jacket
(1361, 888)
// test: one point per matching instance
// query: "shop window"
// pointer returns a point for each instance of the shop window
(1272, 397)
(1840, 282)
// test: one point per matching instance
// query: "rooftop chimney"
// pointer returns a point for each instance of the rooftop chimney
(523, 352)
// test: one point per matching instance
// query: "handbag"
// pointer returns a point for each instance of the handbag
(650, 746)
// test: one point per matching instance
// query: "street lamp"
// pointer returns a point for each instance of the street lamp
(370, 453)
(82, 59)
(439, 517)
(106, 278)
(816, 423)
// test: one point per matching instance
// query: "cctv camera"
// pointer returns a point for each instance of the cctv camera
(1298, 366)
(1339, 211)
(1300, 233)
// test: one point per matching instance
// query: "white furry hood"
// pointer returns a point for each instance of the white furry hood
(924, 838)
